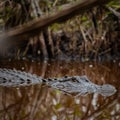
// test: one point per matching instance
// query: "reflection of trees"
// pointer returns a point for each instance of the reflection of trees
(40, 102)
(102, 112)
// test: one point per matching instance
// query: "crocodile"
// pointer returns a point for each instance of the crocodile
(72, 85)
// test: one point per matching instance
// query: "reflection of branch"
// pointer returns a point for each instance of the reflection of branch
(100, 109)
(7, 109)
(29, 98)
(44, 69)
(10, 108)
(117, 14)
(36, 103)
(88, 108)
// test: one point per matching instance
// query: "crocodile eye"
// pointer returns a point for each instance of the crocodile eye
(86, 80)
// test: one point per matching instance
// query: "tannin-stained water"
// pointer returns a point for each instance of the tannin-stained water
(41, 102)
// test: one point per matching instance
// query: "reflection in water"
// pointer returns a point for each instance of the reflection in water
(40, 102)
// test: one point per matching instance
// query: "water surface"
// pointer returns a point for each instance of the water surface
(42, 102)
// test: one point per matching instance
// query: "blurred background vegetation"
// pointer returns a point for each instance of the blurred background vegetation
(93, 34)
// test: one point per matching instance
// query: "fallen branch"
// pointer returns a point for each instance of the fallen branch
(34, 27)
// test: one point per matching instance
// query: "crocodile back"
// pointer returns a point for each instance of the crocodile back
(14, 77)
(78, 85)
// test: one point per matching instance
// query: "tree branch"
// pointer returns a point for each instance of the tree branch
(35, 26)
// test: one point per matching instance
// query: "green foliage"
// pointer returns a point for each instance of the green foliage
(55, 27)
(115, 4)
(8, 11)
(58, 106)
(84, 18)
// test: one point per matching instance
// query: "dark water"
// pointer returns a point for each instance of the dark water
(40, 102)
